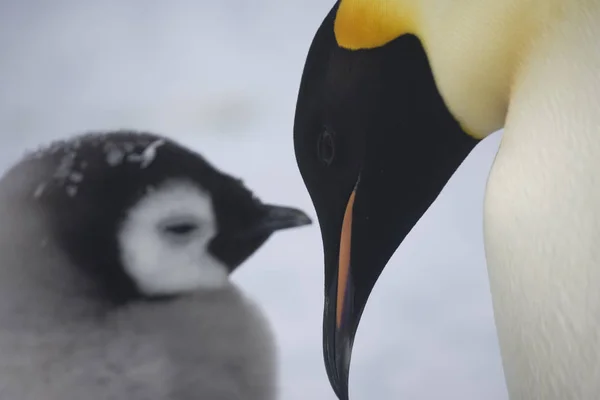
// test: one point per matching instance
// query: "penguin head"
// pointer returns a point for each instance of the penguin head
(146, 218)
(375, 145)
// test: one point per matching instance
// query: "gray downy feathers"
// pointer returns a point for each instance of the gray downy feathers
(61, 339)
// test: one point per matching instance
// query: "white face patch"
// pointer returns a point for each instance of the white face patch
(164, 241)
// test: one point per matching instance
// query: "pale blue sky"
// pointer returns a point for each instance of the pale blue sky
(222, 77)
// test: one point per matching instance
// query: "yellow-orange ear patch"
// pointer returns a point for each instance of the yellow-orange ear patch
(367, 24)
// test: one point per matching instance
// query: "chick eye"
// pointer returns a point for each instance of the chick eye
(326, 147)
(183, 228)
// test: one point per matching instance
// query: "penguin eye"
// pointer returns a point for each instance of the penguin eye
(180, 229)
(326, 147)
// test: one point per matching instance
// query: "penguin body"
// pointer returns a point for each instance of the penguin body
(114, 279)
(394, 95)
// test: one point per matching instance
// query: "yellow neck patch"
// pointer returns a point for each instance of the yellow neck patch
(367, 24)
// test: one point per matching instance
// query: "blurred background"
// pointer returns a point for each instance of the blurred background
(221, 76)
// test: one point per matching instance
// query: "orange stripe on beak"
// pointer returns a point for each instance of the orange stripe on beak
(344, 260)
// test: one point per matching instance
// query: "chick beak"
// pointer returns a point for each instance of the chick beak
(275, 218)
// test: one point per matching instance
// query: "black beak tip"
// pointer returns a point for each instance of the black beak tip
(338, 379)
(286, 217)
(338, 343)
(303, 219)
(337, 362)
(341, 389)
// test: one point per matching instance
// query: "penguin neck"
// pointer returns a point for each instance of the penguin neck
(479, 50)
(542, 217)
(555, 93)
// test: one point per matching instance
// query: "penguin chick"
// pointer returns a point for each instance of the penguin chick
(115, 255)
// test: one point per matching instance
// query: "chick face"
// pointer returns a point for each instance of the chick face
(146, 218)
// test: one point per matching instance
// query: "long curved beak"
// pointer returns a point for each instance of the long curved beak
(341, 313)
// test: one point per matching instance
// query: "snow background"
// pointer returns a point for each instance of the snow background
(222, 77)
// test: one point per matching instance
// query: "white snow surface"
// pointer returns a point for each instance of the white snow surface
(222, 77)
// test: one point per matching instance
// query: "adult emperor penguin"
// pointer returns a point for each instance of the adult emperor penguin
(116, 250)
(394, 95)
